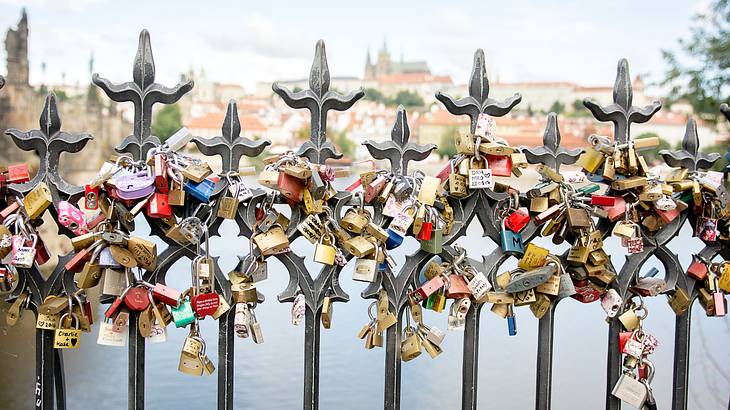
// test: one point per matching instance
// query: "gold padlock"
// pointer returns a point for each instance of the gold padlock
(37, 200)
(324, 252)
(144, 252)
(272, 241)
(269, 178)
(411, 345)
(429, 188)
(327, 312)
(355, 221)
(540, 306)
(359, 246)
(591, 160)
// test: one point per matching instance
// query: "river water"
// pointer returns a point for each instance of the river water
(270, 375)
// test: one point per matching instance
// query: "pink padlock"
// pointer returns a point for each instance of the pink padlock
(72, 218)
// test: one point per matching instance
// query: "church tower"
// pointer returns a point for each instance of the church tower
(16, 46)
(369, 68)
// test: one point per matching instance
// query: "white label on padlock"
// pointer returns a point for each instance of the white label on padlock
(158, 334)
(634, 348)
(23, 257)
(401, 222)
(485, 126)
(244, 192)
(393, 207)
(479, 285)
(481, 179)
(108, 337)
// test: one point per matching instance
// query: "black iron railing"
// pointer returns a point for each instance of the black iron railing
(49, 142)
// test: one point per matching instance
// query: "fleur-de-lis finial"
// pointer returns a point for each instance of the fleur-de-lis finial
(478, 100)
(318, 100)
(622, 113)
(399, 151)
(230, 145)
(48, 141)
(690, 157)
(143, 92)
(551, 153)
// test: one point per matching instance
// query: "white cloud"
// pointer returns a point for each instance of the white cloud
(69, 5)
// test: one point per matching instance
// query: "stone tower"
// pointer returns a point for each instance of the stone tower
(16, 46)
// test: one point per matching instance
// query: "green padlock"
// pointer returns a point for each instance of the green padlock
(183, 314)
(434, 244)
(429, 301)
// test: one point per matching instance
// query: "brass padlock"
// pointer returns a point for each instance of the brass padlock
(144, 252)
(271, 242)
(355, 221)
(37, 200)
(324, 252)
(327, 312)
(410, 346)
(359, 246)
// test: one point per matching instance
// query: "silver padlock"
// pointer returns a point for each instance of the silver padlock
(106, 260)
(23, 255)
(366, 269)
(630, 390)
(256, 334)
(479, 284)
(114, 282)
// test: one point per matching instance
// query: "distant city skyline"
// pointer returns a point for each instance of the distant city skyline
(266, 42)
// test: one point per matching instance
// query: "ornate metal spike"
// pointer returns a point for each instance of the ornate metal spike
(399, 151)
(622, 113)
(690, 157)
(143, 92)
(551, 153)
(48, 141)
(318, 100)
(478, 100)
(230, 145)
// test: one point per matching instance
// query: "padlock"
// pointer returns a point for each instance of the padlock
(355, 221)
(511, 242)
(511, 321)
(522, 280)
(291, 187)
(6, 241)
(191, 365)
(611, 302)
(327, 312)
(23, 254)
(517, 220)
(89, 276)
(176, 195)
(108, 337)
(697, 270)
(586, 293)
(179, 139)
(366, 269)
(435, 244)
(410, 346)
(37, 200)
(271, 242)
(183, 314)
(137, 299)
(144, 252)
(196, 171)
(500, 165)
(158, 206)
(374, 188)
(200, 190)
(578, 218)
(630, 390)
(205, 304)
(427, 192)
(458, 287)
(18, 174)
(360, 246)
(428, 288)
(134, 186)
(479, 177)
(72, 218)
(324, 252)
(67, 338)
(479, 284)
(166, 294)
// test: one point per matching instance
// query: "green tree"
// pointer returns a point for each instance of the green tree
(698, 70)
(346, 146)
(578, 106)
(652, 155)
(407, 99)
(296, 89)
(167, 121)
(557, 107)
(447, 146)
(373, 94)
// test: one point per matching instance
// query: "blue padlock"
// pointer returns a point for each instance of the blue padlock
(200, 191)
(382, 266)
(511, 321)
(394, 239)
(511, 241)
(594, 177)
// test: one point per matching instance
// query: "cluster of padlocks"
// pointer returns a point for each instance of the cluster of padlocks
(613, 192)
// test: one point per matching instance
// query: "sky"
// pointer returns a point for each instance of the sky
(249, 42)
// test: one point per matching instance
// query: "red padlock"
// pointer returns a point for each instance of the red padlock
(166, 294)
(354, 185)
(91, 197)
(428, 288)
(205, 304)
(603, 200)
(291, 187)
(95, 220)
(426, 230)
(458, 288)
(161, 174)
(697, 269)
(113, 308)
(77, 262)
(158, 206)
(18, 173)
(586, 294)
(374, 188)
(501, 165)
(618, 209)
(623, 337)
(9, 210)
(517, 220)
(137, 299)
(667, 216)
(41, 251)
(443, 175)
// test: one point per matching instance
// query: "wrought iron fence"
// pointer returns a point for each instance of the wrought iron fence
(49, 142)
